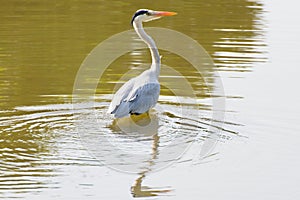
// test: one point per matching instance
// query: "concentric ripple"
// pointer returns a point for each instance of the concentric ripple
(38, 142)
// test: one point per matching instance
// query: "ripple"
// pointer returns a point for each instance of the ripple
(38, 142)
(126, 144)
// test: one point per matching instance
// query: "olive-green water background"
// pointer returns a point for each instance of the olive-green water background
(255, 47)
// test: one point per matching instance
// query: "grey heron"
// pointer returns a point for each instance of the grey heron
(140, 93)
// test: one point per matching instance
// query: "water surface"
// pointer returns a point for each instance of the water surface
(44, 156)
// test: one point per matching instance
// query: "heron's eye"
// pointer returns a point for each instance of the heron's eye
(148, 14)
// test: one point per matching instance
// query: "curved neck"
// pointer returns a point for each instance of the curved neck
(138, 27)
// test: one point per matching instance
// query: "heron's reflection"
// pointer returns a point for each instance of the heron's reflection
(146, 125)
(137, 190)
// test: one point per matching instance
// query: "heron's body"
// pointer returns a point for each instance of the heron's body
(136, 96)
(141, 93)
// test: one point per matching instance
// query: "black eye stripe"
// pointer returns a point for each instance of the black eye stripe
(141, 12)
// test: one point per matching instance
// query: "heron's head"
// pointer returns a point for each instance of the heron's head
(146, 15)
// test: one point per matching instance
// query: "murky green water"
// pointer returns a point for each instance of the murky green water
(50, 148)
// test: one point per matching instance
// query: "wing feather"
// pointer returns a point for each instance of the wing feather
(144, 98)
(138, 100)
(120, 95)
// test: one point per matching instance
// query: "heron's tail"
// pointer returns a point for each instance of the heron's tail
(121, 111)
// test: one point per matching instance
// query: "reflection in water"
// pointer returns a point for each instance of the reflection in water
(125, 144)
(42, 45)
(137, 190)
(143, 125)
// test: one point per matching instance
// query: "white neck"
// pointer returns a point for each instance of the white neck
(138, 27)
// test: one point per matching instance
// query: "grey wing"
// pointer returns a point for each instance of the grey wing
(144, 98)
(120, 95)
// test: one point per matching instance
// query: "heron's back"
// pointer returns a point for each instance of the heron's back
(136, 96)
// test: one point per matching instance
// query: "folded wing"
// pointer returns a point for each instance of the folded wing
(136, 101)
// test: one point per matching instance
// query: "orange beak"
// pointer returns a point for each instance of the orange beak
(164, 13)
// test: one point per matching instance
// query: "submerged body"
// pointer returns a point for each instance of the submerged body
(141, 93)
